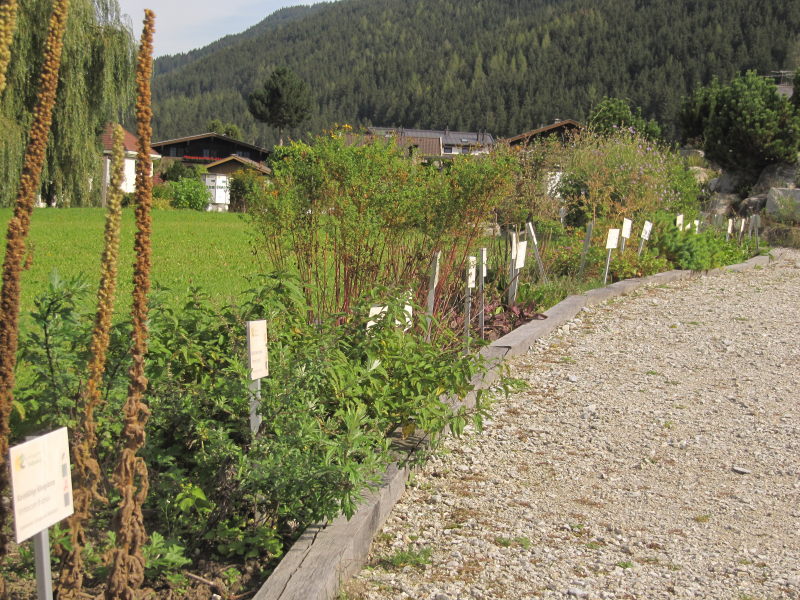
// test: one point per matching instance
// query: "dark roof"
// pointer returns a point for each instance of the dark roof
(210, 134)
(129, 141)
(564, 126)
(427, 146)
(244, 161)
(448, 137)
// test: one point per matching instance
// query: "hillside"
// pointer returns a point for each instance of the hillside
(498, 65)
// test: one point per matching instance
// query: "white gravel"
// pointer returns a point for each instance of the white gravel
(655, 454)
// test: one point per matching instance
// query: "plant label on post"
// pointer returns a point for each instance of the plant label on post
(697, 226)
(481, 291)
(522, 252)
(648, 227)
(539, 264)
(757, 220)
(679, 222)
(730, 230)
(376, 311)
(258, 362)
(741, 230)
(471, 278)
(625, 233)
(611, 243)
(41, 491)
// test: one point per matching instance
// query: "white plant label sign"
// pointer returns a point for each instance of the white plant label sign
(376, 311)
(696, 226)
(730, 225)
(483, 263)
(626, 228)
(648, 227)
(380, 311)
(257, 352)
(613, 239)
(679, 222)
(471, 271)
(741, 226)
(522, 249)
(41, 483)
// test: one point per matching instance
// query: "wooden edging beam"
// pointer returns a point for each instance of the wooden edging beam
(327, 554)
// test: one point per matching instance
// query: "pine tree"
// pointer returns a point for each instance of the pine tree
(283, 101)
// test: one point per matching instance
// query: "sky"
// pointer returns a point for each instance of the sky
(183, 25)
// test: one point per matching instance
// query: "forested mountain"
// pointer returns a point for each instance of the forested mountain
(504, 66)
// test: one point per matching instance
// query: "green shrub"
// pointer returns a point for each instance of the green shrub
(189, 193)
(744, 125)
(693, 251)
(335, 391)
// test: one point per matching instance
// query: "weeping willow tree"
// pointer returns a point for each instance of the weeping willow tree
(96, 87)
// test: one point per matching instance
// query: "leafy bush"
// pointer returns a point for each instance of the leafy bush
(623, 174)
(347, 217)
(612, 114)
(745, 125)
(189, 193)
(247, 188)
(336, 390)
(697, 252)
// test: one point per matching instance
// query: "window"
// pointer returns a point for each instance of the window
(448, 149)
(464, 149)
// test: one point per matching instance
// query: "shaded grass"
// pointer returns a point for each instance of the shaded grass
(211, 251)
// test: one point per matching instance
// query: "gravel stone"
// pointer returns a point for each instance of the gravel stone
(618, 473)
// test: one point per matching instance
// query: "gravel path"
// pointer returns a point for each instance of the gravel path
(655, 454)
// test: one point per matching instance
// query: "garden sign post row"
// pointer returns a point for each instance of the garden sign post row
(258, 359)
(41, 489)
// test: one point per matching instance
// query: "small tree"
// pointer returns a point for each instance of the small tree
(230, 129)
(283, 101)
(745, 125)
(615, 113)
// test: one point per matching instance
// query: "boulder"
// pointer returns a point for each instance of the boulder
(779, 175)
(751, 205)
(702, 175)
(692, 153)
(721, 204)
(783, 204)
(730, 182)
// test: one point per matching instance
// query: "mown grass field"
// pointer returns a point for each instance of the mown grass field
(211, 251)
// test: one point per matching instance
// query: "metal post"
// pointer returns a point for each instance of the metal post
(512, 271)
(641, 247)
(467, 315)
(433, 281)
(481, 291)
(255, 404)
(41, 554)
(608, 264)
(586, 243)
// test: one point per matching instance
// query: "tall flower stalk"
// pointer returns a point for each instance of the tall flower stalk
(8, 25)
(87, 470)
(130, 476)
(18, 228)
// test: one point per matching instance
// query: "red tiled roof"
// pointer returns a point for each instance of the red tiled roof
(425, 146)
(129, 141)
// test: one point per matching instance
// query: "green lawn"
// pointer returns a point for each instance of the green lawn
(211, 251)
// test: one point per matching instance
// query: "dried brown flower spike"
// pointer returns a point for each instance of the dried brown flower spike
(87, 470)
(130, 476)
(8, 25)
(18, 228)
